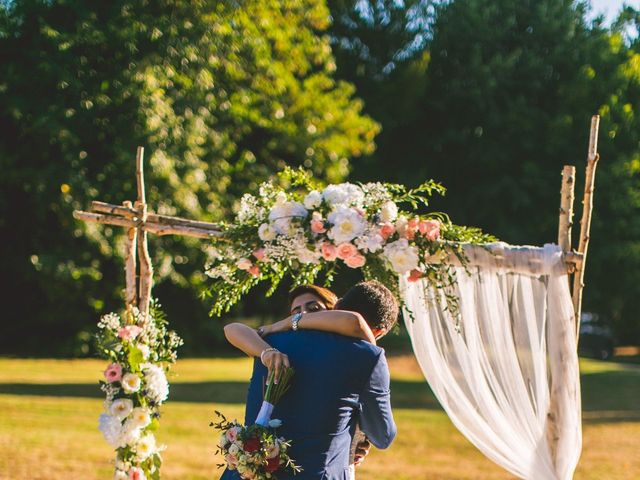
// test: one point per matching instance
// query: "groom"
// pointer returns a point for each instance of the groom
(339, 382)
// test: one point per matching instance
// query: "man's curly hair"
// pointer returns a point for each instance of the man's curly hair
(374, 302)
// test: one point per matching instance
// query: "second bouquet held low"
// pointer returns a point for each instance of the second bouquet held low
(256, 451)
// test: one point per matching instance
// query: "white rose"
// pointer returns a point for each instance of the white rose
(242, 469)
(244, 264)
(140, 417)
(120, 475)
(145, 447)
(233, 449)
(403, 257)
(130, 383)
(347, 224)
(266, 232)
(388, 212)
(313, 200)
(121, 408)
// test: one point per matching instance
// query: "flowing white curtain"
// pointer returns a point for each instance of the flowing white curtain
(506, 369)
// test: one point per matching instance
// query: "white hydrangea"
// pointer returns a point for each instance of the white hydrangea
(343, 194)
(282, 213)
(347, 224)
(312, 200)
(388, 212)
(156, 383)
(402, 256)
(372, 242)
(111, 428)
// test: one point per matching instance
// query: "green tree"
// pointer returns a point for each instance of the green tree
(221, 94)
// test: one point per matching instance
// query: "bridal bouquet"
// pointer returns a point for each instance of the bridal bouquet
(140, 351)
(295, 226)
(256, 451)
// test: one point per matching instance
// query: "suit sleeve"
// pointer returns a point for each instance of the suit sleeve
(376, 419)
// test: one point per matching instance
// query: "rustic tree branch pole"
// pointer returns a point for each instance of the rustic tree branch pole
(130, 264)
(146, 269)
(566, 207)
(585, 223)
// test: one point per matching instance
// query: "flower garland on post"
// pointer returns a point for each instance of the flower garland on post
(141, 351)
(295, 226)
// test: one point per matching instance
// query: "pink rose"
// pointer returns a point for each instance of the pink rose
(430, 229)
(414, 275)
(129, 332)
(259, 254)
(317, 226)
(231, 459)
(254, 270)
(329, 251)
(113, 373)
(136, 473)
(387, 230)
(232, 434)
(346, 250)
(355, 261)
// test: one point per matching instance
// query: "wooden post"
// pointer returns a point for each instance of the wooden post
(585, 223)
(566, 207)
(146, 269)
(130, 296)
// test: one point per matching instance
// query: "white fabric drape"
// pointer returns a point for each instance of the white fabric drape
(506, 371)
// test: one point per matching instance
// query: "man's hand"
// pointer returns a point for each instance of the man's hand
(362, 450)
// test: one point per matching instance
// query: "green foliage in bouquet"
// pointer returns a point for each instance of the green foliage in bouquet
(296, 226)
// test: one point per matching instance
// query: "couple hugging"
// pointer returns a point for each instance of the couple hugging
(340, 399)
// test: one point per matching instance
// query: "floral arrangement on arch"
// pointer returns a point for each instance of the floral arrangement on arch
(140, 350)
(296, 226)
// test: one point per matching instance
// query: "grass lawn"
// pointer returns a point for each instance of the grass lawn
(48, 425)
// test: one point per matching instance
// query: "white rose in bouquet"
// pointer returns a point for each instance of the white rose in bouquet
(140, 417)
(121, 408)
(146, 447)
(402, 256)
(130, 383)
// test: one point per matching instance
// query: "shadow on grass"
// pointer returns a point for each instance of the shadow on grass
(610, 397)
(405, 394)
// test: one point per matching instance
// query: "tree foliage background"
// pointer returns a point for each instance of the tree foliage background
(489, 97)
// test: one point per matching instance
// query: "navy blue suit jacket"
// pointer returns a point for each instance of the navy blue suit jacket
(338, 382)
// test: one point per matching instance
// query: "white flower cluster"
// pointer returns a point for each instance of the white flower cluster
(133, 388)
(156, 385)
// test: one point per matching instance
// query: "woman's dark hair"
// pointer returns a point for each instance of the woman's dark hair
(327, 296)
(374, 302)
